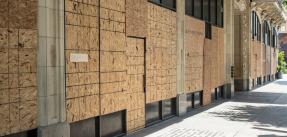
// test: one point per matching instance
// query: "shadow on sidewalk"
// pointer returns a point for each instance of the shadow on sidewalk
(274, 115)
(258, 97)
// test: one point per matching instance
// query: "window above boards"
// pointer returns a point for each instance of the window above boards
(256, 26)
(169, 4)
(274, 37)
(266, 33)
(208, 10)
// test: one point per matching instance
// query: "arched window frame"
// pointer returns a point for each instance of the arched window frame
(256, 26)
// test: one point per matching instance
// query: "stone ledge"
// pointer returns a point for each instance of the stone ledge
(56, 130)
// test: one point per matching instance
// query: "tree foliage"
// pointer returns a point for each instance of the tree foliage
(281, 67)
(284, 2)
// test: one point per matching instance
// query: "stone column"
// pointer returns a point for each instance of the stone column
(181, 97)
(229, 46)
(51, 70)
(245, 41)
(243, 37)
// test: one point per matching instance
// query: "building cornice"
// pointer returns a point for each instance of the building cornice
(270, 10)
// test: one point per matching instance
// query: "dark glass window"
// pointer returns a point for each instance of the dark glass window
(209, 10)
(258, 31)
(152, 112)
(189, 7)
(197, 99)
(113, 124)
(266, 33)
(213, 11)
(168, 108)
(256, 27)
(206, 10)
(220, 11)
(274, 37)
(170, 4)
(269, 37)
(253, 24)
(198, 9)
(208, 30)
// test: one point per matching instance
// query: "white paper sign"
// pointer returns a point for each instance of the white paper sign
(77, 57)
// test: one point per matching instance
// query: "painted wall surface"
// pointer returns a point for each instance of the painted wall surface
(194, 43)
(18, 47)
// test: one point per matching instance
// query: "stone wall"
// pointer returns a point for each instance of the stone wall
(18, 47)
(194, 43)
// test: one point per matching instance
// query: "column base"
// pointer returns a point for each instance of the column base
(181, 105)
(228, 91)
(56, 130)
(242, 84)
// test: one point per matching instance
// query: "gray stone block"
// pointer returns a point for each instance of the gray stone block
(56, 130)
(228, 91)
(181, 104)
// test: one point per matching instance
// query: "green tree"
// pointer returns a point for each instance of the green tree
(281, 67)
(284, 2)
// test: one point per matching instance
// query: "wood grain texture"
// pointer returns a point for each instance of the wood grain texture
(161, 54)
(214, 68)
(82, 78)
(18, 45)
(136, 18)
(194, 43)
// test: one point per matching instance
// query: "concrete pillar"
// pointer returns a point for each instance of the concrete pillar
(242, 37)
(180, 23)
(51, 70)
(246, 45)
(229, 45)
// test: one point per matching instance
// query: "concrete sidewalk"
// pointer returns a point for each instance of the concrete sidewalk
(258, 113)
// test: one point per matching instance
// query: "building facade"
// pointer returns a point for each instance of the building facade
(111, 67)
(256, 62)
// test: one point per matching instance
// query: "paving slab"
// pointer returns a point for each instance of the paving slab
(261, 112)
